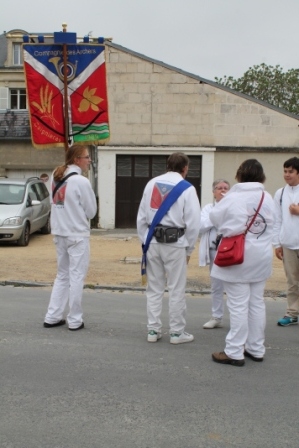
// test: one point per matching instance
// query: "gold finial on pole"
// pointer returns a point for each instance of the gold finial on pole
(64, 26)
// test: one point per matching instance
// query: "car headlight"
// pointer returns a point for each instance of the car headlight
(15, 221)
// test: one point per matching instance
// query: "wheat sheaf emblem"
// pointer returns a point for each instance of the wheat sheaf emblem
(46, 108)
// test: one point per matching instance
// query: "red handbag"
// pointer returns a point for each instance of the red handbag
(231, 249)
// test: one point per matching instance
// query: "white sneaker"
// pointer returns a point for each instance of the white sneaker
(213, 323)
(176, 338)
(153, 336)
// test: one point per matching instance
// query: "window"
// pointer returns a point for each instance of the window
(124, 166)
(41, 190)
(17, 98)
(141, 166)
(17, 54)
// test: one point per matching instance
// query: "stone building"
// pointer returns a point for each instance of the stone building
(154, 110)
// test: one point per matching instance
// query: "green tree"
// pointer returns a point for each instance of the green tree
(268, 83)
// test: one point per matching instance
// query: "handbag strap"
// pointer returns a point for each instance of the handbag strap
(255, 215)
(58, 185)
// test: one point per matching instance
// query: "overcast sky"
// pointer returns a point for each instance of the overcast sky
(206, 37)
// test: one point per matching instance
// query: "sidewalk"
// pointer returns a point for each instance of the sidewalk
(115, 258)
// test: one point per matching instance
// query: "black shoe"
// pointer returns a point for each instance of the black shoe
(78, 328)
(57, 324)
(254, 358)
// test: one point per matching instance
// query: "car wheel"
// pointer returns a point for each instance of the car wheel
(24, 238)
(46, 229)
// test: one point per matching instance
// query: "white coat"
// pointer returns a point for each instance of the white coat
(230, 216)
(73, 205)
(286, 228)
(207, 233)
(184, 213)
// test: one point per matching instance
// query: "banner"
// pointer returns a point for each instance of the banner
(86, 94)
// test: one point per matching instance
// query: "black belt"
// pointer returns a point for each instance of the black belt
(165, 234)
(181, 230)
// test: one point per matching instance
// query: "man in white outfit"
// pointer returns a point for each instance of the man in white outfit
(286, 237)
(73, 204)
(167, 261)
(207, 251)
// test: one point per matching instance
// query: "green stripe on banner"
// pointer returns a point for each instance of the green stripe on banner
(91, 137)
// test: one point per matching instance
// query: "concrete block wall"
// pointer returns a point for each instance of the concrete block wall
(20, 155)
(226, 165)
(154, 105)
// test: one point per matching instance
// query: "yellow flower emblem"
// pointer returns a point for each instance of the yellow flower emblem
(89, 100)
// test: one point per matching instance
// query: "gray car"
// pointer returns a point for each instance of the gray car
(24, 209)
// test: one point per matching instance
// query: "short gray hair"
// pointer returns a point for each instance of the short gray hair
(219, 181)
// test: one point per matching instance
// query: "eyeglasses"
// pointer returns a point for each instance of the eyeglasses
(83, 157)
(221, 188)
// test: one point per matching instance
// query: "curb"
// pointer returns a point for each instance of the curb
(17, 283)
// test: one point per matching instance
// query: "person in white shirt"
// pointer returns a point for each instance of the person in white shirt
(167, 261)
(73, 204)
(207, 251)
(286, 237)
(244, 283)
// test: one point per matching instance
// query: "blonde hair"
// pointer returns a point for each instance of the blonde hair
(71, 154)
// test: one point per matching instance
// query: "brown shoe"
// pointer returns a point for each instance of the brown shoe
(222, 358)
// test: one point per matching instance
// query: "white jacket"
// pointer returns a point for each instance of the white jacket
(207, 233)
(286, 228)
(184, 213)
(230, 216)
(73, 205)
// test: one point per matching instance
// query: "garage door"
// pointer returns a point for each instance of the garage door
(133, 173)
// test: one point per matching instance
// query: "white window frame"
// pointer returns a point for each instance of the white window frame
(18, 96)
(17, 54)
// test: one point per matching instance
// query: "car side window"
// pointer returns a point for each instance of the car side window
(45, 190)
(42, 191)
(32, 193)
(38, 191)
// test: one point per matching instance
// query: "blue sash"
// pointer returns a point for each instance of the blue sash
(162, 210)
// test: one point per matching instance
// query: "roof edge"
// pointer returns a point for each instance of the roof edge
(202, 80)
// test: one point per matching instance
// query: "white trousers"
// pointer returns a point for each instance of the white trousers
(72, 266)
(166, 264)
(247, 311)
(217, 290)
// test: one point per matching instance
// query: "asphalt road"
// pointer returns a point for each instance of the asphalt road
(106, 387)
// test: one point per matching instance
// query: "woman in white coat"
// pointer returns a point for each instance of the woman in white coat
(207, 251)
(73, 205)
(244, 283)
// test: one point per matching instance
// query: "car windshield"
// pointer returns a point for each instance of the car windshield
(11, 194)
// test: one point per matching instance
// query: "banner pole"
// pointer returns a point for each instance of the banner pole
(65, 97)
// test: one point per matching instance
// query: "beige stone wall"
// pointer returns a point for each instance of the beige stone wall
(226, 165)
(20, 155)
(153, 105)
